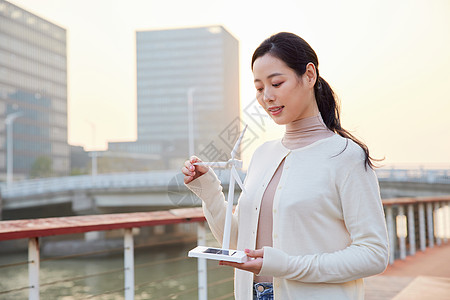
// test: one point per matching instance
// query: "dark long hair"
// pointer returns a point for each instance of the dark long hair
(296, 53)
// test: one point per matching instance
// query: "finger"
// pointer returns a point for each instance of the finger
(189, 166)
(194, 159)
(202, 169)
(187, 172)
(254, 253)
(184, 170)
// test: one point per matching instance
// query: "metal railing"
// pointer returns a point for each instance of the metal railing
(155, 179)
(424, 221)
(416, 223)
(87, 182)
(35, 228)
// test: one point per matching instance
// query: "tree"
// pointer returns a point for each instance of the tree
(42, 167)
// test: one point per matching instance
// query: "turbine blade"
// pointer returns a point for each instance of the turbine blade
(218, 164)
(236, 177)
(236, 146)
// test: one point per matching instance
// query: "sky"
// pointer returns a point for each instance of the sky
(388, 62)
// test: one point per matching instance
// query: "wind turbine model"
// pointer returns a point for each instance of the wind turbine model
(225, 253)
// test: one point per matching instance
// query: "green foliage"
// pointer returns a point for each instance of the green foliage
(42, 167)
(78, 171)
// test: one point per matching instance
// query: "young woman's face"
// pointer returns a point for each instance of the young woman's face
(284, 95)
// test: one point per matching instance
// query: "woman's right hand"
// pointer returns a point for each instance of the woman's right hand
(192, 172)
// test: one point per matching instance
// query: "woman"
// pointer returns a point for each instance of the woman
(312, 209)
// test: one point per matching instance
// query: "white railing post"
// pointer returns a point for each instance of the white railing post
(437, 223)
(446, 221)
(401, 231)
(430, 224)
(422, 231)
(202, 264)
(33, 268)
(411, 230)
(129, 264)
(391, 233)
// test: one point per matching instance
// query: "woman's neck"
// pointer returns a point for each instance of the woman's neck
(303, 132)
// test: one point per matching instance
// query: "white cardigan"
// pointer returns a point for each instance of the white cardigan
(328, 222)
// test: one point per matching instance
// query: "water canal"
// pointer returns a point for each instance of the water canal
(162, 272)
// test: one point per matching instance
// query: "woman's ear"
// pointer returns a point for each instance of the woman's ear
(310, 74)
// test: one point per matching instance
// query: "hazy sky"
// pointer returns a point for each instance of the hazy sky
(388, 61)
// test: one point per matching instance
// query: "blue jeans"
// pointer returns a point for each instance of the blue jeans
(263, 291)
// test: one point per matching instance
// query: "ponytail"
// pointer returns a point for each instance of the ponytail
(330, 112)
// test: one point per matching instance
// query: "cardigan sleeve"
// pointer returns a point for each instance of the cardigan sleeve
(364, 219)
(209, 189)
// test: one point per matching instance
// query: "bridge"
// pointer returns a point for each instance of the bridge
(413, 182)
(156, 190)
(105, 193)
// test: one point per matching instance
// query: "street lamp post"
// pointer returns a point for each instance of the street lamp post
(191, 120)
(94, 153)
(9, 149)
(94, 163)
(201, 263)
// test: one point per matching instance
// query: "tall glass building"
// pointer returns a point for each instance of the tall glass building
(170, 63)
(33, 81)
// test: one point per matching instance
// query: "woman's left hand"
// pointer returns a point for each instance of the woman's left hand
(252, 265)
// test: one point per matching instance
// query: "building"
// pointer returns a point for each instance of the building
(171, 64)
(33, 82)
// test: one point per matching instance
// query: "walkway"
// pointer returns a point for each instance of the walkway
(421, 277)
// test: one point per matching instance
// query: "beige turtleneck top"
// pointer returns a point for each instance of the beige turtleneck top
(298, 134)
